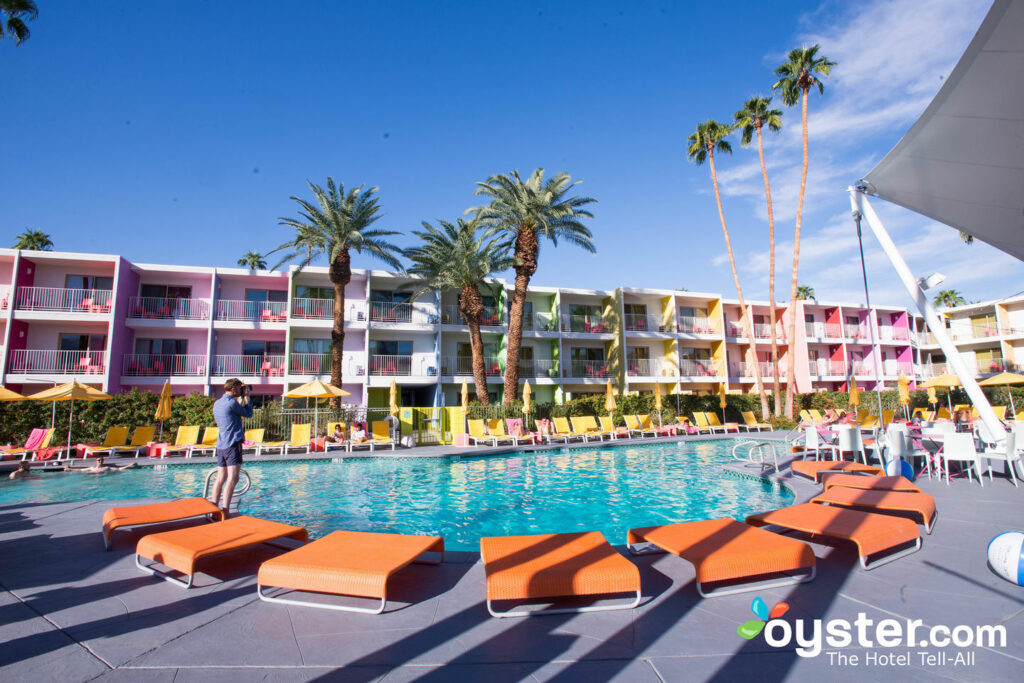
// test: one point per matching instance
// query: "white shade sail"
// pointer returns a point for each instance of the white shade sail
(962, 163)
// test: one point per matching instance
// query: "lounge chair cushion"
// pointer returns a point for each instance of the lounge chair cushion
(857, 481)
(921, 504)
(814, 469)
(136, 515)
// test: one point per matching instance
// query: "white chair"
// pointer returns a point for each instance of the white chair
(850, 442)
(814, 442)
(960, 448)
(1007, 451)
(895, 443)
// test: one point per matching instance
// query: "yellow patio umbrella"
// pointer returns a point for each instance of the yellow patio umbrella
(903, 386)
(8, 395)
(393, 398)
(70, 391)
(946, 381)
(854, 392)
(657, 401)
(315, 390)
(1003, 379)
(721, 399)
(609, 402)
(527, 394)
(163, 408)
(465, 399)
(932, 398)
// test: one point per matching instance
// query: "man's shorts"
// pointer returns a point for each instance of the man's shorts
(232, 455)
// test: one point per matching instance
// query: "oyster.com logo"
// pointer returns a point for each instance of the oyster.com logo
(751, 629)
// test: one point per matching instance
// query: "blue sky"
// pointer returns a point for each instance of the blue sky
(175, 132)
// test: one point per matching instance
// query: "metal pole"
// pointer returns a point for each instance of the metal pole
(872, 321)
(860, 204)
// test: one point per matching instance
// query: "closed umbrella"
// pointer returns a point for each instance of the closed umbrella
(903, 385)
(609, 402)
(854, 392)
(657, 401)
(932, 398)
(946, 381)
(315, 390)
(70, 392)
(527, 408)
(393, 398)
(721, 399)
(163, 408)
(1002, 379)
(465, 399)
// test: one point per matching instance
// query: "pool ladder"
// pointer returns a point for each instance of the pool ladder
(242, 487)
(756, 453)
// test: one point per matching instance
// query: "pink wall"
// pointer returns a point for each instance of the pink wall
(200, 282)
(6, 272)
(55, 275)
(120, 340)
(196, 338)
(230, 343)
(233, 288)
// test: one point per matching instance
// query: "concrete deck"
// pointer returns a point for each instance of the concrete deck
(73, 612)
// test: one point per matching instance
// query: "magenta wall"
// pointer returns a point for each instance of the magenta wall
(121, 337)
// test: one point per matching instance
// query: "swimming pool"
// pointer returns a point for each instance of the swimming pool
(609, 489)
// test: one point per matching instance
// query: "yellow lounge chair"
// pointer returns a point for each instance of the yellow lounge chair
(1000, 412)
(751, 423)
(141, 437)
(701, 423)
(255, 436)
(609, 427)
(716, 424)
(562, 429)
(336, 445)
(478, 433)
(816, 415)
(635, 427)
(805, 417)
(380, 435)
(580, 426)
(497, 429)
(647, 422)
(115, 438)
(862, 415)
(887, 416)
(870, 422)
(42, 441)
(299, 441)
(943, 414)
(209, 442)
(589, 423)
(184, 440)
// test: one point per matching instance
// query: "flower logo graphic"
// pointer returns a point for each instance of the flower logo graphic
(750, 629)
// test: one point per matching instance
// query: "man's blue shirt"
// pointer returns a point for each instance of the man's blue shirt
(229, 413)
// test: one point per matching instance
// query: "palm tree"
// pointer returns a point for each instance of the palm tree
(756, 113)
(803, 293)
(15, 27)
(461, 257)
(703, 142)
(253, 260)
(967, 237)
(35, 240)
(949, 298)
(528, 211)
(796, 78)
(336, 224)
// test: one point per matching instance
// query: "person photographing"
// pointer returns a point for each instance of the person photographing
(228, 411)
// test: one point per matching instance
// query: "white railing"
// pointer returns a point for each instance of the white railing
(826, 368)
(593, 324)
(163, 365)
(648, 367)
(66, 300)
(855, 332)
(463, 366)
(744, 369)
(54, 362)
(764, 331)
(863, 368)
(310, 363)
(699, 368)
(390, 365)
(490, 317)
(403, 312)
(5, 297)
(248, 366)
(313, 309)
(587, 368)
(165, 308)
(538, 367)
(734, 328)
(252, 311)
(695, 325)
(541, 322)
(636, 322)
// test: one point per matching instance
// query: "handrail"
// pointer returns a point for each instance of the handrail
(244, 481)
(758, 447)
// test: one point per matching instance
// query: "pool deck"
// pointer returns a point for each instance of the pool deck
(73, 612)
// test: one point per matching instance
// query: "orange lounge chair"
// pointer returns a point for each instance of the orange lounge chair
(814, 469)
(139, 515)
(345, 563)
(856, 481)
(874, 534)
(554, 566)
(181, 549)
(921, 505)
(724, 550)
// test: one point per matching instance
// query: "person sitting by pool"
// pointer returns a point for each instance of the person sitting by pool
(359, 432)
(337, 436)
(22, 472)
(99, 468)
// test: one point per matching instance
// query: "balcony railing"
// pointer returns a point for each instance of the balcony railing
(890, 333)
(163, 365)
(313, 309)
(591, 324)
(463, 366)
(892, 368)
(5, 297)
(54, 362)
(248, 366)
(353, 365)
(636, 322)
(63, 300)
(541, 322)
(855, 332)
(648, 367)
(252, 311)
(824, 330)
(389, 365)
(764, 331)
(743, 369)
(538, 367)
(734, 328)
(695, 325)
(699, 368)
(403, 312)
(826, 368)
(168, 309)
(590, 369)
(491, 316)
(863, 368)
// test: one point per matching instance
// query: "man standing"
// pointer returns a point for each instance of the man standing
(228, 411)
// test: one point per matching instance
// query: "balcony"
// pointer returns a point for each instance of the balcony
(390, 366)
(892, 368)
(586, 369)
(744, 369)
(699, 368)
(462, 366)
(826, 368)
(695, 325)
(5, 297)
(734, 328)
(824, 330)
(248, 366)
(889, 333)
(491, 316)
(649, 367)
(252, 311)
(587, 324)
(635, 322)
(856, 332)
(161, 308)
(54, 362)
(764, 331)
(863, 368)
(313, 309)
(540, 322)
(63, 300)
(538, 368)
(314, 364)
(163, 365)
(402, 313)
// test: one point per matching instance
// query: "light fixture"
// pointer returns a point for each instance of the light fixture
(929, 281)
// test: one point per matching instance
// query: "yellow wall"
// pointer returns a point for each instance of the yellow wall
(668, 313)
(671, 357)
(715, 315)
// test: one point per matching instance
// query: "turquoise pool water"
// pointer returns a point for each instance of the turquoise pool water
(608, 489)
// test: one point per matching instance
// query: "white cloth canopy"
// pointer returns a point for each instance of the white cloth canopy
(962, 163)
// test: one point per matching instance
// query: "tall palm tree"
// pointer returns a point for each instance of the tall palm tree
(709, 136)
(253, 260)
(461, 257)
(15, 26)
(949, 298)
(36, 240)
(804, 292)
(967, 237)
(527, 211)
(336, 224)
(756, 114)
(797, 76)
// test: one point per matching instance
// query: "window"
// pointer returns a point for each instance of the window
(88, 282)
(269, 295)
(587, 355)
(390, 348)
(694, 354)
(304, 292)
(635, 309)
(262, 348)
(166, 291)
(82, 342)
(161, 347)
(638, 353)
(689, 312)
(311, 346)
(387, 296)
(852, 321)
(808, 317)
(465, 350)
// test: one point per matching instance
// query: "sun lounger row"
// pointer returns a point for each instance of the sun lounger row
(709, 422)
